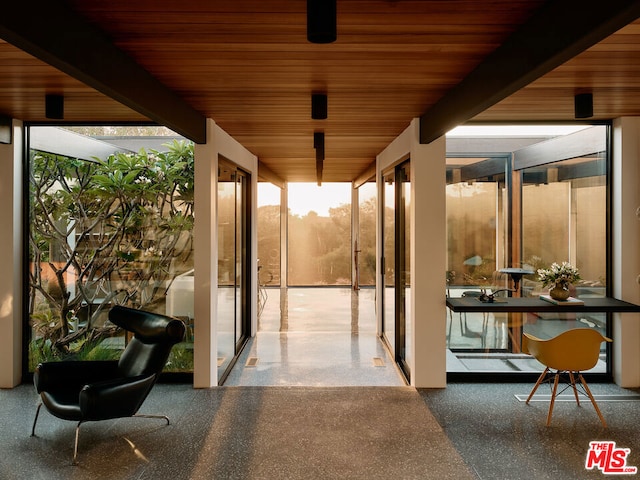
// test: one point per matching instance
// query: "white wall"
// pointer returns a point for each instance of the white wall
(11, 248)
(626, 249)
(219, 143)
(428, 260)
(428, 252)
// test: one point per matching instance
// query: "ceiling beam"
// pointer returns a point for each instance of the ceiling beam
(366, 175)
(268, 175)
(54, 33)
(557, 32)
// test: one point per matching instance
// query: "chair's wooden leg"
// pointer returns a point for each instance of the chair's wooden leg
(553, 398)
(573, 385)
(593, 400)
(35, 420)
(535, 387)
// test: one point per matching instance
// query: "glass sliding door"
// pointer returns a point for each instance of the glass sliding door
(389, 258)
(397, 261)
(233, 264)
(242, 274)
(403, 256)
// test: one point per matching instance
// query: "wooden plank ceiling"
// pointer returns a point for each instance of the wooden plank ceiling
(248, 65)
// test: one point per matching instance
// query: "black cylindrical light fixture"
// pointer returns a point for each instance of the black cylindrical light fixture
(54, 107)
(318, 141)
(318, 106)
(322, 21)
(583, 105)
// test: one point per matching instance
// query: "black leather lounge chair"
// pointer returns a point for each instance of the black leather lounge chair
(84, 391)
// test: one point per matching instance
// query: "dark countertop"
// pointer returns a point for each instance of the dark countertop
(534, 304)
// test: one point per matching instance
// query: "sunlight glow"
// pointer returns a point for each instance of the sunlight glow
(135, 450)
(307, 197)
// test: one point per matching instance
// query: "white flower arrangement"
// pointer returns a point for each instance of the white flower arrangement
(559, 274)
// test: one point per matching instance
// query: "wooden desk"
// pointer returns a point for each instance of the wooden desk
(534, 304)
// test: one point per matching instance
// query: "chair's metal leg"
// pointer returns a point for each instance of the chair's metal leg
(35, 420)
(573, 385)
(75, 446)
(553, 398)
(153, 416)
(593, 400)
(535, 387)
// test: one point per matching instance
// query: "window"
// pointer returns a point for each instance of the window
(268, 234)
(110, 223)
(366, 248)
(319, 234)
(518, 198)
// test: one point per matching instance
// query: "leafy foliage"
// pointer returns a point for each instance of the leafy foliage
(117, 230)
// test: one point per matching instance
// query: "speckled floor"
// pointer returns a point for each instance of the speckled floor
(239, 433)
(474, 431)
(502, 438)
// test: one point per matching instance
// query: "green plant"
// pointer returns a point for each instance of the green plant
(104, 231)
(180, 359)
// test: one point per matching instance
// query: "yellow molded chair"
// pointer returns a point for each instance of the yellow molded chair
(571, 352)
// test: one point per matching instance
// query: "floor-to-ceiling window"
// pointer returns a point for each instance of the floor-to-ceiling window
(366, 248)
(110, 214)
(319, 234)
(476, 232)
(564, 189)
(269, 241)
(523, 198)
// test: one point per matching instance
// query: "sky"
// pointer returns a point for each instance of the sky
(305, 197)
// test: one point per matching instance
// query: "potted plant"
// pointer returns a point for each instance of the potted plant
(559, 278)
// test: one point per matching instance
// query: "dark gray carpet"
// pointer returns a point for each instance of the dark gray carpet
(501, 438)
(238, 433)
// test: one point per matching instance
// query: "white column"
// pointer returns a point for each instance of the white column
(205, 348)
(428, 252)
(428, 261)
(284, 236)
(219, 144)
(11, 245)
(626, 249)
